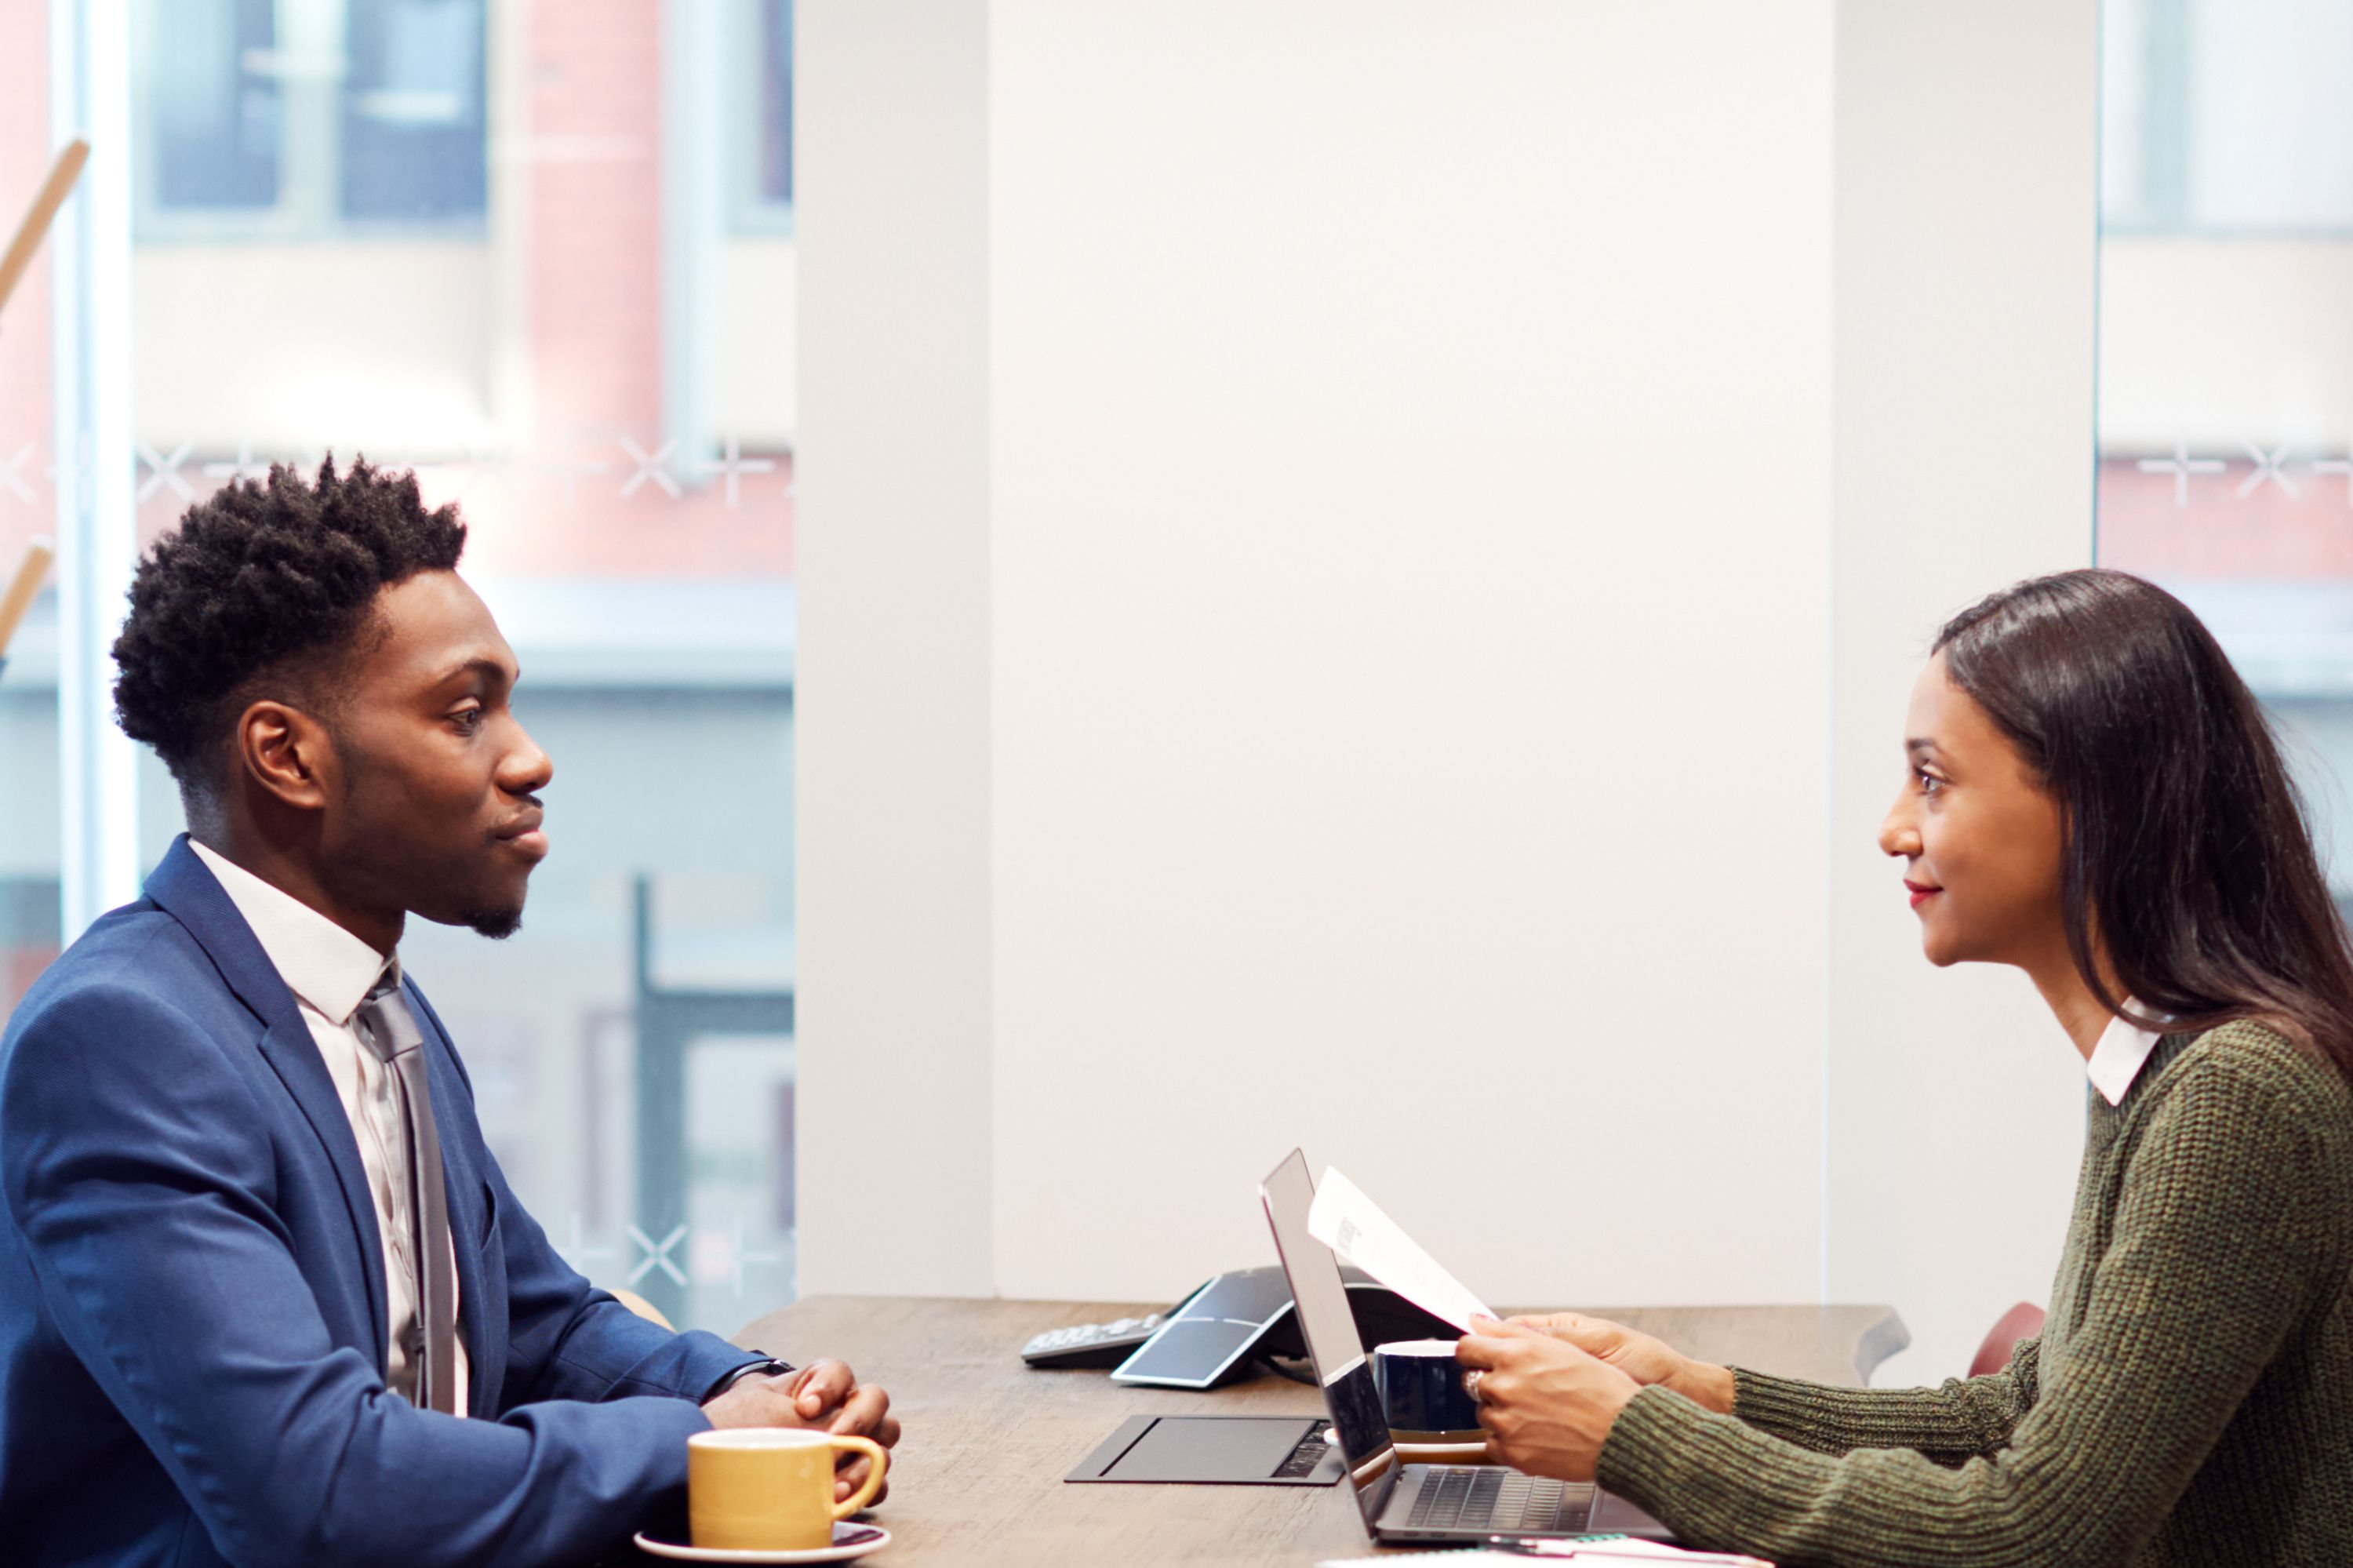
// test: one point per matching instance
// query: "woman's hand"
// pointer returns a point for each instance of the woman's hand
(1547, 1406)
(1645, 1360)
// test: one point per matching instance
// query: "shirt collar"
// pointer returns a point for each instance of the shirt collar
(330, 968)
(2119, 1056)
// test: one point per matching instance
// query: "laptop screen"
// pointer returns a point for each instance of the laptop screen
(1329, 1327)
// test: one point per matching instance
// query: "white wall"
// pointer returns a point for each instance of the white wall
(1409, 534)
(892, 692)
(1380, 667)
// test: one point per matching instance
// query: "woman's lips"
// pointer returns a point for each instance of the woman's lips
(1920, 892)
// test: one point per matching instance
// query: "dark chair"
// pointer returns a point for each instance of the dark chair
(2023, 1321)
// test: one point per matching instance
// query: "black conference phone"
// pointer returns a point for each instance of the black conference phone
(1214, 1335)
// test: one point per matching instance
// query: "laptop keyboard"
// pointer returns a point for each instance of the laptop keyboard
(1480, 1498)
(1301, 1462)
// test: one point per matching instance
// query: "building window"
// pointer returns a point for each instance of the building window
(273, 119)
(412, 122)
(2226, 117)
(218, 124)
(763, 95)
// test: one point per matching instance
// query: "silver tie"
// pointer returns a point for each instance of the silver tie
(390, 1031)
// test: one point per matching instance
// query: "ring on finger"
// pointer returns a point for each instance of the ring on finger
(1471, 1381)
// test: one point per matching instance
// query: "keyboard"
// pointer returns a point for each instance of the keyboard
(1091, 1345)
(1480, 1499)
(1312, 1451)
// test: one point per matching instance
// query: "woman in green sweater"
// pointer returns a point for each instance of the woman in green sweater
(2095, 796)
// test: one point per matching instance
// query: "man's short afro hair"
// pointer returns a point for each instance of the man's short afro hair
(256, 576)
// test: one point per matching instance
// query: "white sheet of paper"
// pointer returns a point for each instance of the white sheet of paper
(1352, 1225)
(1630, 1550)
(1595, 1553)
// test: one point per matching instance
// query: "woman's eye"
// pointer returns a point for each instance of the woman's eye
(467, 719)
(1929, 783)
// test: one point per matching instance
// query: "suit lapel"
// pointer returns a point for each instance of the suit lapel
(186, 890)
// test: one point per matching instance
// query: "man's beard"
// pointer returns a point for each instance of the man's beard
(498, 924)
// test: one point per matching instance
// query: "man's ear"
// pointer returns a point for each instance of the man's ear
(287, 752)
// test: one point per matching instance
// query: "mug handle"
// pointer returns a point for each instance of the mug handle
(881, 1463)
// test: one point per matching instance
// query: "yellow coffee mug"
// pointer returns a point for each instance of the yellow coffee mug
(765, 1489)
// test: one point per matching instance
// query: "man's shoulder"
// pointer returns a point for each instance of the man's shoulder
(133, 959)
(131, 1035)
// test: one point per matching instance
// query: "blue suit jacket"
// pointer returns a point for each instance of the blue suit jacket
(192, 1294)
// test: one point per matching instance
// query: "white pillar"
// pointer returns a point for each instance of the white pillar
(91, 95)
(892, 694)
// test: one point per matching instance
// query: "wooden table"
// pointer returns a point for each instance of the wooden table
(977, 1478)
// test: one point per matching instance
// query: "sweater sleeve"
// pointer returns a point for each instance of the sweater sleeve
(1950, 1423)
(2226, 1233)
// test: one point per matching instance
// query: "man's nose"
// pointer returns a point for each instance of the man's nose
(527, 769)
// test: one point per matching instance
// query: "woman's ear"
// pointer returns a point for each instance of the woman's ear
(287, 752)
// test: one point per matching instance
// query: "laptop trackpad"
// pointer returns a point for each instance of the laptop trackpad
(1211, 1448)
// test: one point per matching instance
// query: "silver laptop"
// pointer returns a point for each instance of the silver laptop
(1401, 1502)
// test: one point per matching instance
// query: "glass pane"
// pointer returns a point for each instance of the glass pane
(302, 116)
(625, 466)
(413, 110)
(2227, 116)
(212, 84)
(29, 816)
(2226, 348)
(28, 798)
(776, 131)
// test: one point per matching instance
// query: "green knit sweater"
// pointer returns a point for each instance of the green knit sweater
(2189, 1401)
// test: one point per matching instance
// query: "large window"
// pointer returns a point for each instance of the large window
(507, 326)
(2226, 347)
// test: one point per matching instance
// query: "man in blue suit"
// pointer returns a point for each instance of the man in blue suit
(265, 1296)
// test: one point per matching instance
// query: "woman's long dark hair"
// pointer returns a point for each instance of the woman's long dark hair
(2186, 843)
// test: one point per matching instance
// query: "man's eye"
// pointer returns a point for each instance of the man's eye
(467, 718)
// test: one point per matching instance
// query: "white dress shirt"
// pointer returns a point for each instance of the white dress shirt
(2123, 1050)
(330, 971)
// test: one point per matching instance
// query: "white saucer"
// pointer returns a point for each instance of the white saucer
(848, 1541)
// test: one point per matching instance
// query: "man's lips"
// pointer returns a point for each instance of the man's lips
(1921, 891)
(524, 833)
